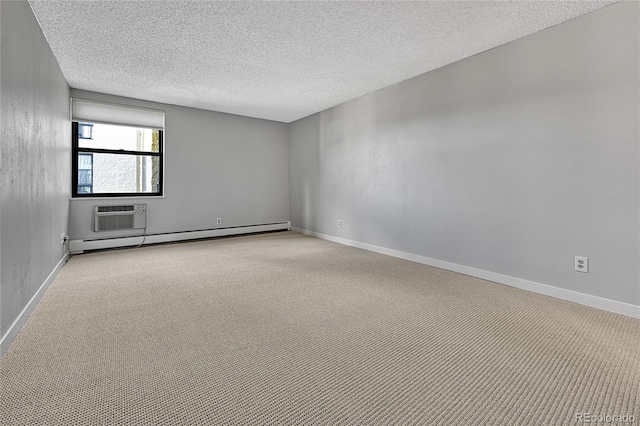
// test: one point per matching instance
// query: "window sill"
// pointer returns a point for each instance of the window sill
(132, 197)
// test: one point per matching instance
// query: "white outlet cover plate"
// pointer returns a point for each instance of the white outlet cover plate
(581, 264)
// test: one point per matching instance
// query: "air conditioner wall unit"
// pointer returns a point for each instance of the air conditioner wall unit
(112, 218)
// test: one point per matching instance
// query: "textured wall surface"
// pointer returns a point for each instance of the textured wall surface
(35, 160)
(512, 161)
(216, 166)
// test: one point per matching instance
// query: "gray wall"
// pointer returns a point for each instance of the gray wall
(35, 158)
(512, 161)
(216, 165)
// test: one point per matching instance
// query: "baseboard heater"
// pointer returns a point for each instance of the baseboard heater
(80, 246)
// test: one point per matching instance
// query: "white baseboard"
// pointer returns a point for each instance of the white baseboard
(79, 246)
(559, 293)
(11, 334)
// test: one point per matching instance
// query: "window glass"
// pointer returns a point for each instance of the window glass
(108, 136)
(115, 173)
(112, 160)
(85, 173)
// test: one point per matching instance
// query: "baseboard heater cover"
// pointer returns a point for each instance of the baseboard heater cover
(80, 246)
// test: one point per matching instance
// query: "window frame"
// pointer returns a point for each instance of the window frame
(76, 150)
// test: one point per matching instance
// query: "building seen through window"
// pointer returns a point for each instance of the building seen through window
(117, 160)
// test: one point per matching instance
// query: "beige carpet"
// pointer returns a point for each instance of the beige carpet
(287, 329)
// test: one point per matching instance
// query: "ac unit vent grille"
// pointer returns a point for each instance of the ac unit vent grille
(113, 218)
(107, 209)
(113, 222)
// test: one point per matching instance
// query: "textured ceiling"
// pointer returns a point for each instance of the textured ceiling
(276, 60)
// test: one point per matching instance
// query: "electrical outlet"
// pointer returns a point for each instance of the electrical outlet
(339, 223)
(581, 264)
(64, 238)
(219, 221)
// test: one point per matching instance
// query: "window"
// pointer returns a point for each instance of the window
(117, 152)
